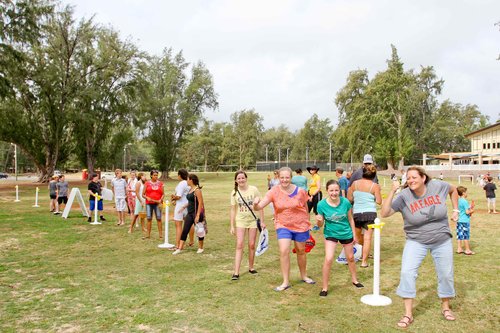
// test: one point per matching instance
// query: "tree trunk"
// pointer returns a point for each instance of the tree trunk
(164, 174)
(401, 163)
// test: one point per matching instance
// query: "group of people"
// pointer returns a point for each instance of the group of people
(144, 198)
(349, 207)
(343, 215)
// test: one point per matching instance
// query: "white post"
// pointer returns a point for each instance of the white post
(17, 194)
(376, 299)
(96, 200)
(166, 245)
(36, 198)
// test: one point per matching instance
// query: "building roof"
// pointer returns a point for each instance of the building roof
(482, 130)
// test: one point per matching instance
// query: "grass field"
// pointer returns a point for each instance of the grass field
(61, 275)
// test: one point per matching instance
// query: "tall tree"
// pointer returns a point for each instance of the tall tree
(276, 138)
(204, 146)
(247, 130)
(105, 101)
(42, 86)
(391, 98)
(314, 139)
(396, 116)
(171, 103)
(349, 136)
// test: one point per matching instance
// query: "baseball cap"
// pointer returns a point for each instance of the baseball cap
(368, 159)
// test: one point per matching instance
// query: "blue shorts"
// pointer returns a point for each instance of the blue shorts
(92, 205)
(150, 208)
(284, 233)
(463, 231)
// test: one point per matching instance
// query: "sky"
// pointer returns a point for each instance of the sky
(288, 59)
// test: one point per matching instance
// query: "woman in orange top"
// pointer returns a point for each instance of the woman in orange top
(291, 223)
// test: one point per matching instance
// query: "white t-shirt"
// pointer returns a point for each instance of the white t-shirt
(131, 186)
(181, 190)
(119, 187)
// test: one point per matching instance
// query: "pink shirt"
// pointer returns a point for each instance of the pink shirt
(290, 212)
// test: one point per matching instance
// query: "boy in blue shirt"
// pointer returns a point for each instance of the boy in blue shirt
(463, 224)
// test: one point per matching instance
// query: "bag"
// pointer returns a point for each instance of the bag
(358, 251)
(200, 230)
(257, 220)
(263, 244)
(310, 244)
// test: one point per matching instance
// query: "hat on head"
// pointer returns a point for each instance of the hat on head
(368, 159)
(314, 167)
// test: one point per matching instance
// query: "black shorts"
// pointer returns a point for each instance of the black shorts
(341, 241)
(53, 196)
(61, 200)
(362, 220)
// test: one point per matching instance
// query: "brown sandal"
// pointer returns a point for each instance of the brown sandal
(448, 315)
(405, 322)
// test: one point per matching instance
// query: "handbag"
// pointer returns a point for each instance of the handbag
(251, 211)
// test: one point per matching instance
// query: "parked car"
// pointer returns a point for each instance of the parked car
(3, 175)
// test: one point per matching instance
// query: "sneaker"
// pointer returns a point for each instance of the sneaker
(177, 252)
(323, 293)
(252, 271)
(315, 228)
(102, 218)
(57, 213)
(89, 220)
(235, 277)
(358, 285)
(200, 251)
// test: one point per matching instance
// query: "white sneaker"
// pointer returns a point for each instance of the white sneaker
(177, 251)
(200, 251)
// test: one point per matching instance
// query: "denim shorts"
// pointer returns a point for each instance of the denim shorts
(284, 233)
(150, 208)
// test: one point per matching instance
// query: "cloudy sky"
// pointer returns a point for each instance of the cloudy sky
(288, 59)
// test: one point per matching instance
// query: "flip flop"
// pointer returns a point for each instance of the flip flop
(281, 288)
(365, 266)
(460, 252)
(469, 253)
(448, 315)
(405, 322)
(309, 281)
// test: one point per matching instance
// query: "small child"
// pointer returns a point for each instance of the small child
(463, 224)
(94, 188)
(490, 189)
(119, 186)
(53, 194)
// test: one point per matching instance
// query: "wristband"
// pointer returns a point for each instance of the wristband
(456, 211)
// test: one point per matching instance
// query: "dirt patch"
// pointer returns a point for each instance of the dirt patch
(9, 244)
(68, 328)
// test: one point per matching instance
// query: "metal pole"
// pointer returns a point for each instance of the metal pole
(279, 156)
(267, 153)
(15, 159)
(124, 151)
(330, 169)
(287, 156)
(307, 156)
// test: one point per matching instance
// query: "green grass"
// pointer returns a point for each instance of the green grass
(68, 276)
